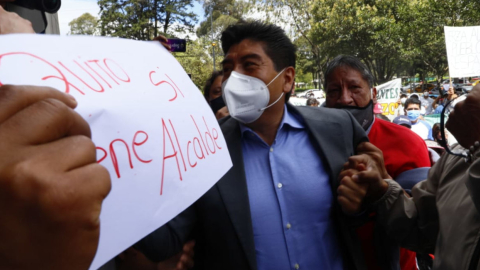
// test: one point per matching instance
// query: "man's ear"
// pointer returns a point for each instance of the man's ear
(374, 95)
(289, 79)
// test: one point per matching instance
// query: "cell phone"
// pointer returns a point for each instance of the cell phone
(177, 45)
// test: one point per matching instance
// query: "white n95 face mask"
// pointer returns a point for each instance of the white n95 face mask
(246, 96)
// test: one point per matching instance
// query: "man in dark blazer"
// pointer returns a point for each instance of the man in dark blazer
(277, 207)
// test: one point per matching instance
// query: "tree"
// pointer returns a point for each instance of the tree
(86, 24)
(223, 13)
(197, 60)
(298, 15)
(142, 19)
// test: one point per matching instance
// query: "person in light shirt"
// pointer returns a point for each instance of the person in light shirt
(413, 112)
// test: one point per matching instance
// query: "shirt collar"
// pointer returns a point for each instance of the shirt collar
(288, 119)
(370, 127)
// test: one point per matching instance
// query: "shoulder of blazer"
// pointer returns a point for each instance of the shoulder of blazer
(322, 114)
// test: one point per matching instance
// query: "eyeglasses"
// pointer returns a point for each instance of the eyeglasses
(446, 111)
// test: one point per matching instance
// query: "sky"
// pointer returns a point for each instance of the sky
(72, 9)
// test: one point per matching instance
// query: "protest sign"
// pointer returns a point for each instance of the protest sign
(463, 50)
(387, 96)
(153, 130)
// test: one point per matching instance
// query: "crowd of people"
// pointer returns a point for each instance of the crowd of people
(329, 187)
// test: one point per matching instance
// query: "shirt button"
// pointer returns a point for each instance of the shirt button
(289, 226)
(297, 266)
(279, 185)
(271, 149)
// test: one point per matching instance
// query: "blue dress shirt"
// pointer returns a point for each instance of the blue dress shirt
(290, 200)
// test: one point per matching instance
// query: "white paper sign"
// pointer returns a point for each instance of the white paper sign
(463, 50)
(153, 130)
(387, 95)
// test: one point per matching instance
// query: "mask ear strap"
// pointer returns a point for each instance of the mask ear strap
(263, 109)
(276, 77)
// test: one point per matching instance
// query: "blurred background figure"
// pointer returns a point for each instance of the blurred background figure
(437, 136)
(212, 91)
(312, 102)
(402, 120)
(419, 126)
(401, 103)
(377, 111)
(427, 102)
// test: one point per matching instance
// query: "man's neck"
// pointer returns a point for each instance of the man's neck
(267, 125)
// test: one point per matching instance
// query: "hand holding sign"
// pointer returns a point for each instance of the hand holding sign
(152, 128)
(51, 189)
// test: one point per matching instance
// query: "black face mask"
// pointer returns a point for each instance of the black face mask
(217, 104)
(363, 115)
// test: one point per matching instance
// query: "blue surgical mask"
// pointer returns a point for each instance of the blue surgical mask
(413, 114)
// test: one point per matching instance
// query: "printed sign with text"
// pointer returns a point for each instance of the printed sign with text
(387, 95)
(153, 130)
(463, 50)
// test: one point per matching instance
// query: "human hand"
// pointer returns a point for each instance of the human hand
(11, 23)
(181, 261)
(464, 121)
(350, 193)
(223, 112)
(164, 41)
(374, 173)
(51, 187)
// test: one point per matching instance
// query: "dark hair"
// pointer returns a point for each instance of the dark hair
(413, 101)
(276, 44)
(351, 62)
(209, 82)
(435, 131)
(312, 101)
(414, 96)
(403, 95)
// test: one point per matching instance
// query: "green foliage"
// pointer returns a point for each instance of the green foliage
(198, 61)
(392, 37)
(219, 14)
(86, 24)
(142, 19)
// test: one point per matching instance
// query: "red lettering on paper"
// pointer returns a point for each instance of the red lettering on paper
(134, 143)
(127, 80)
(80, 79)
(104, 154)
(200, 134)
(215, 137)
(175, 85)
(114, 157)
(86, 63)
(162, 82)
(169, 156)
(207, 135)
(99, 66)
(195, 148)
(178, 143)
(62, 77)
(188, 155)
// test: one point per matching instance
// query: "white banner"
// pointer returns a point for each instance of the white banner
(387, 96)
(153, 130)
(463, 50)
